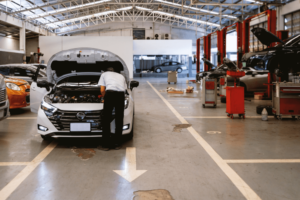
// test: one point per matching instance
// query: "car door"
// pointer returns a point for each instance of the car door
(36, 96)
(165, 66)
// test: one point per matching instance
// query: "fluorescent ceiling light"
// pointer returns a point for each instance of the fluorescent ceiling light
(125, 8)
(81, 18)
(9, 36)
(88, 16)
(65, 9)
(194, 8)
(142, 8)
(184, 18)
(255, 1)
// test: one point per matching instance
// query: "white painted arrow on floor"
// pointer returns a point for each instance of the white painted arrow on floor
(130, 173)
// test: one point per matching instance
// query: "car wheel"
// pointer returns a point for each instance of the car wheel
(179, 70)
(158, 70)
(245, 87)
(46, 137)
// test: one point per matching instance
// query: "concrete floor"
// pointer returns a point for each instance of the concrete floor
(196, 163)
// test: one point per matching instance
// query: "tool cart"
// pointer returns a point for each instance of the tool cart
(235, 96)
(172, 77)
(209, 92)
(286, 100)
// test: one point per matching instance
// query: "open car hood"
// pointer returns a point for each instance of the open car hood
(265, 36)
(209, 63)
(89, 60)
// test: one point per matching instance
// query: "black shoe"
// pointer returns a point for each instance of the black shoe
(103, 148)
(117, 146)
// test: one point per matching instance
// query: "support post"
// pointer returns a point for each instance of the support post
(207, 48)
(245, 36)
(272, 23)
(239, 34)
(221, 45)
(190, 66)
(198, 55)
(22, 38)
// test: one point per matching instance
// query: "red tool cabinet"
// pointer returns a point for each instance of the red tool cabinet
(235, 96)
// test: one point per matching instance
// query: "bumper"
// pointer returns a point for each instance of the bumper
(4, 110)
(55, 133)
(18, 99)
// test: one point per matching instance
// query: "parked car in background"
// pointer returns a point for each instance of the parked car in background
(282, 59)
(4, 102)
(254, 80)
(18, 92)
(169, 66)
(22, 71)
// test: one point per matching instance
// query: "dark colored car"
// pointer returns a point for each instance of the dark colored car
(282, 59)
(169, 66)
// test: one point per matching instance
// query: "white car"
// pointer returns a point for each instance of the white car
(68, 104)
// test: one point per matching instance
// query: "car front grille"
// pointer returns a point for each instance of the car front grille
(2, 94)
(28, 99)
(62, 119)
(27, 90)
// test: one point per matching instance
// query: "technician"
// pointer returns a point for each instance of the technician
(112, 86)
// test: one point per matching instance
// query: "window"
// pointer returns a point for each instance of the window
(22, 72)
(166, 64)
(254, 43)
(175, 63)
(292, 23)
(4, 71)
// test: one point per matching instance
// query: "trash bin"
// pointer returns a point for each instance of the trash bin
(172, 77)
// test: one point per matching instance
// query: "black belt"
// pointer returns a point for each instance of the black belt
(114, 91)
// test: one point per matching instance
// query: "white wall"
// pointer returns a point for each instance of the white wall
(32, 45)
(125, 29)
(120, 45)
(162, 47)
(9, 43)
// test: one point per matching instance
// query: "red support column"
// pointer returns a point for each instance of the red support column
(198, 55)
(207, 48)
(245, 36)
(221, 45)
(239, 33)
(272, 22)
(283, 34)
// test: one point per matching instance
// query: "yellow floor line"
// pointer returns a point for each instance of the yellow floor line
(13, 184)
(264, 161)
(13, 163)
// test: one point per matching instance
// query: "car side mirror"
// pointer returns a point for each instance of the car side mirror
(45, 84)
(254, 73)
(134, 84)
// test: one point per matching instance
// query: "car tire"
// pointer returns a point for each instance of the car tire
(179, 70)
(158, 70)
(46, 137)
(223, 99)
(245, 88)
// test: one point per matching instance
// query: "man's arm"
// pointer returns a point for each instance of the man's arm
(102, 90)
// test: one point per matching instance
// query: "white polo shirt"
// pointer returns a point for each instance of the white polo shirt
(113, 81)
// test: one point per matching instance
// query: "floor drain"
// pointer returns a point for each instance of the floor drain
(159, 194)
(179, 127)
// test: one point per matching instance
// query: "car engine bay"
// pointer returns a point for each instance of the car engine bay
(76, 95)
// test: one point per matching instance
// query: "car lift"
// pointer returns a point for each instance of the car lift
(271, 14)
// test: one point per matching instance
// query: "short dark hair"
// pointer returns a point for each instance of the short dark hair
(110, 69)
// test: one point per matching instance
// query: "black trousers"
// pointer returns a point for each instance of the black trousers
(113, 99)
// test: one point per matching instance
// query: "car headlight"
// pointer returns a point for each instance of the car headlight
(126, 103)
(184, 67)
(48, 108)
(13, 86)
